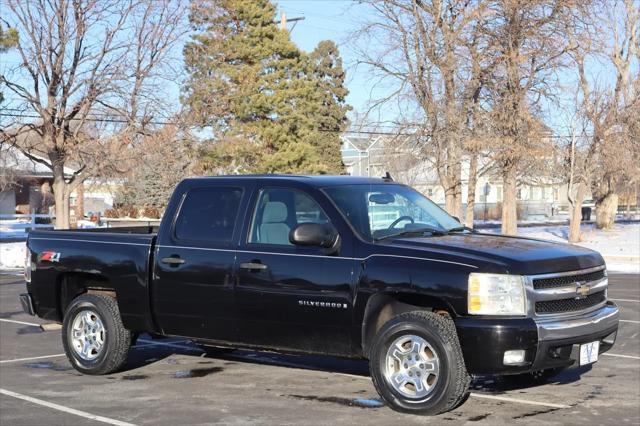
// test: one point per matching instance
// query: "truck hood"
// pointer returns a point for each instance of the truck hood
(498, 253)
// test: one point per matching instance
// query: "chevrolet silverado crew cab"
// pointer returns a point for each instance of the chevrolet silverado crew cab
(344, 266)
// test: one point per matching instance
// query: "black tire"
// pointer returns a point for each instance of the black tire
(452, 384)
(117, 339)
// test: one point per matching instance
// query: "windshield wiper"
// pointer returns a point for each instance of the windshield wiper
(460, 229)
(433, 231)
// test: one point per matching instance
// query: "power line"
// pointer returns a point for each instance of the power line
(108, 119)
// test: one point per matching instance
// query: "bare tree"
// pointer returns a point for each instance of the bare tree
(530, 37)
(611, 33)
(160, 160)
(577, 170)
(9, 168)
(424, 49)
(85, 61)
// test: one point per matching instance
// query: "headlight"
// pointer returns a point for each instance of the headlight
(495, 294)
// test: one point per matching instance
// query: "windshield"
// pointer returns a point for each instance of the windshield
(379, 211)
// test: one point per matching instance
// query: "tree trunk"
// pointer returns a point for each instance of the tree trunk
(471, 190)
(62, 202)
(453, 184)
(576, 214)
(606, 209)
(79, 210)
(509, 207)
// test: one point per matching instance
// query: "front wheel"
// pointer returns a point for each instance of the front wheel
(417, 365)
(93, 336)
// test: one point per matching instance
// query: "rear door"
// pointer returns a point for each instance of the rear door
(292, 297)
(193, 276)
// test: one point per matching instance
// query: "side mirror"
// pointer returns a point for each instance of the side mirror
(314, 234)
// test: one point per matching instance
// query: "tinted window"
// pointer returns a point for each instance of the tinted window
(209, 214)
(279, 211)
(379, 210)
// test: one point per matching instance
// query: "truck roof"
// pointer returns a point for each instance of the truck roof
(316, 180)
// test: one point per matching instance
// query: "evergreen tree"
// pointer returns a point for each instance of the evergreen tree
(330, 118)
(251, 84)
(8, 40)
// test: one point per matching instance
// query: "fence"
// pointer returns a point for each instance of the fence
(17, 226)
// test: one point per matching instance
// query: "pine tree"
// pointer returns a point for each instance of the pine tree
(331, 118)
(250, 83)
(8, 40)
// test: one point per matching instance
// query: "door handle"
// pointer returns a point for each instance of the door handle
(253, 266)
(173, 261)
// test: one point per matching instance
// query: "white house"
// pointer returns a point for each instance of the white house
(371, 156)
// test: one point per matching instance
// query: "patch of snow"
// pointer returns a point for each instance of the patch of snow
(620, 246)
(12, 255)
(624, 267)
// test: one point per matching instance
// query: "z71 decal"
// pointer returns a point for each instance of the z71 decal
(50, 256)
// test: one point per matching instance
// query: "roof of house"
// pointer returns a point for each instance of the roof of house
(16, 160)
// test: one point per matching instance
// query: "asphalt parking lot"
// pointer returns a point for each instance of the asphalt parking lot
(171, 382)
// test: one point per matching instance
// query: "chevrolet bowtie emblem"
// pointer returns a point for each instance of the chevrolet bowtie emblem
(582, 290)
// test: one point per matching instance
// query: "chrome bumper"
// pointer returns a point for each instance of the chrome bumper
(600, 320)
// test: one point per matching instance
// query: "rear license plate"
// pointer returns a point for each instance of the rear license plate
(589, 352)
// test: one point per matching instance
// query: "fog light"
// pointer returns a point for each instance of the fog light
(514, 357)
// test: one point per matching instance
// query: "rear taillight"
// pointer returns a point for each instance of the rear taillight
(27, 265)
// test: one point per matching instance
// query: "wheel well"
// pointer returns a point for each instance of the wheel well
(70, 286)
(382, 307)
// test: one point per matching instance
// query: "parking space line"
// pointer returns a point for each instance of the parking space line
(65, 409)
(632, 322)
(518, 400)
(20, 322)
(32, 358)
(621, 356)
(626, 300)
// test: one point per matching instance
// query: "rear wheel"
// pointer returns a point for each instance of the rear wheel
(417, 365)
(93, 336)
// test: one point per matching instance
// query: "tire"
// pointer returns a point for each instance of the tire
(435, 336)
(100, 343)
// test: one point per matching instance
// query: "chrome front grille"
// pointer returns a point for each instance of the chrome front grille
(567, 280)
(570, 305)
(567, 293)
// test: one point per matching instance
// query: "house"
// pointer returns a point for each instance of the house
(26, 183)
(378, 154)
(26, 186)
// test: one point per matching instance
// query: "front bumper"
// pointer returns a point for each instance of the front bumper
(547, 343)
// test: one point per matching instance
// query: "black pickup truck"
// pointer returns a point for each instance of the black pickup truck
(344, 266)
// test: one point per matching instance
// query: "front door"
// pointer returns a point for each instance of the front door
(193, 275)
(291, 297)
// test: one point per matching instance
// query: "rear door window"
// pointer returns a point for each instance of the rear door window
(209, 215)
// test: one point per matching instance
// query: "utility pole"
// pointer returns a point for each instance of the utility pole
(284, 20)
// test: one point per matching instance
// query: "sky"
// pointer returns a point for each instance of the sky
(323, 20)
(336, 20)
(330, 20)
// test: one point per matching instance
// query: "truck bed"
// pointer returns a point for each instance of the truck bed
(113, 259)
